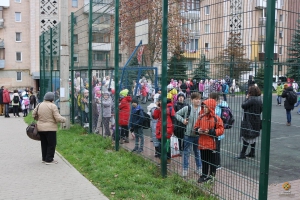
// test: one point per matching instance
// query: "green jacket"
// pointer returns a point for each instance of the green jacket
(279, 90)
(182, 114)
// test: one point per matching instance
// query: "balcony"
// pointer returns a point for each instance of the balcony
(101, 46)
(261, 56)
(194, 54)
(4, 3)
(263, 21)
(190, 14)
(103, 6)
(2, 64)
(261, 4)
(1, 44)
(101, 28)
(1, 23)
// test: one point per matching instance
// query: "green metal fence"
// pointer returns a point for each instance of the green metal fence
(195, 46)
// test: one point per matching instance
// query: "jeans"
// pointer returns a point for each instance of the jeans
(279, 99)
(191, 142)
(224, 97)
(6, 109)
(288, 116)
(296, 105)
(139, 135)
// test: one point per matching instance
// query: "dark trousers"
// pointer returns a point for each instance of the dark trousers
(6, 109)
(105, 121)
(124, 131)
(48, 144)
(208, 161)
(168, 150)
(224, 97)
(218, 155)
(16, 110)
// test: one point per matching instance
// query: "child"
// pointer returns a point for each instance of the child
(85, 103)
(279, 90)
(15, 103)
(124, 114)
(25, 106)
(106, 111)
(136, 125)
(153, 123)
(209, 126)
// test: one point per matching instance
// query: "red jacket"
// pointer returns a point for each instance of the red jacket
(124, 111)
(6, 98)
(207, 122)
(143, 91)
(170, 127)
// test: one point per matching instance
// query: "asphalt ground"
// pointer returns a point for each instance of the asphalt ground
(284, 145)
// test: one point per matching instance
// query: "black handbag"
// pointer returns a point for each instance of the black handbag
(247, 130)
(31, 130)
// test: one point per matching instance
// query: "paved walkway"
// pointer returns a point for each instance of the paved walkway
(23, 176)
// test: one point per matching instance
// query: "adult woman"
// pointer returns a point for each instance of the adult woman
(251, 123)
(48, 117)
(287, 105)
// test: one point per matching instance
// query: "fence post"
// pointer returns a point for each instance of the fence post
(90, 64)
(72, 69)
(51, 60)
(43, 66)
(164, 87)
(117, 91)
(267, 98)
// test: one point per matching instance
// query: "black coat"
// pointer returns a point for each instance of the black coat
(1, 96)
(183, 87)
(179, 128)
(252, 110)
(287, 105)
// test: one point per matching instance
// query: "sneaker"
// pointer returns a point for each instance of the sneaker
(184, 173)
(218, 167)
(140, 150)
(288, 124)
(51, 163)
(135, 149)
(198, 171)
(202, 179)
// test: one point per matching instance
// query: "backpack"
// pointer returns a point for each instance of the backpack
(227, 117)
(146, 120)
(292, 97)
(26, 102)
(16, 99)
(32, 99)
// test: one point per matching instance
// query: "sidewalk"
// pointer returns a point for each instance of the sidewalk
(23, 176)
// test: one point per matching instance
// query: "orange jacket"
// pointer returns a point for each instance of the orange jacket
(208, 122)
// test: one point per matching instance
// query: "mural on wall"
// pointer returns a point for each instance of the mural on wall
(48, 14)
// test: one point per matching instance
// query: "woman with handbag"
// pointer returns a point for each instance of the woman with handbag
(47, 116)
(251, 123)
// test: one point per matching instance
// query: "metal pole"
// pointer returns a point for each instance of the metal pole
(117, 73)
(51, 60)
(164, 87)
(255, 67)
(72, 70)
(44, 71)
(64, 65)
(90, 64)
(267, 98)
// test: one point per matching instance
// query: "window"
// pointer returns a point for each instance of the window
(280, 50)
(101, 38)
(100, 56)
(207, 10)
(281, 18)
(189, 65)
(206, 46)
(75, 20)
(280, 34)
(17, 16)
(18, 37)
(19, 76)
(207, 28)
(74, 3)
(18, 1)
(75, 57)
(279, 69)
(120, 57)
(75, 39)
(18, 56)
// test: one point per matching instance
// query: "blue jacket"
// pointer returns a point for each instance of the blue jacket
(218, 112)
(136, 117)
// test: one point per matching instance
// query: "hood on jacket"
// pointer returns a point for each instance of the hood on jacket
(211, 104)
(223, 104)
(127, 98)
(290, 88)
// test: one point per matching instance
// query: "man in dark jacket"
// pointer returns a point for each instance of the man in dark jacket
(1, 102)
(288, 107)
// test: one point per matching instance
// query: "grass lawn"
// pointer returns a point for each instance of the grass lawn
(120, 175)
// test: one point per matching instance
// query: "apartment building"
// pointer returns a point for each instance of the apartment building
(21, 24)
(214, 20)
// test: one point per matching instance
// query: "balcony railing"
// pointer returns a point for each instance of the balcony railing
(263, 21)
(190, 14)
(261, 56)
(101, 46)
(261, 4)
(2, 64)
(105, 7)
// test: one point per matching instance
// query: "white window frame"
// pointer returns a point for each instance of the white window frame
(17, 56)
(76, 56)
(18, 1)
(207, 10)
(20, 37)
(16, 16)
(207, 26)
(20, 76)
(76, 1)
(281, 17)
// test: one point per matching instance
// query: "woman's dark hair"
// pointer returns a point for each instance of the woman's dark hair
(254, 91)
(16, 91)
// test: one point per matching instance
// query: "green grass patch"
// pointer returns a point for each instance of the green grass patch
(120, 174)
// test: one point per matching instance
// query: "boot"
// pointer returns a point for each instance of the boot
(242, 156)
(156, 155)
(252, 153)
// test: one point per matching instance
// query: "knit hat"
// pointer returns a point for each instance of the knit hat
(124, 93)
(135, 100)
(169, 96)
(49, 96)
(180, 95)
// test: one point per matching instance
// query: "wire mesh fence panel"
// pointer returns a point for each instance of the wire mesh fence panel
(216, 55)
